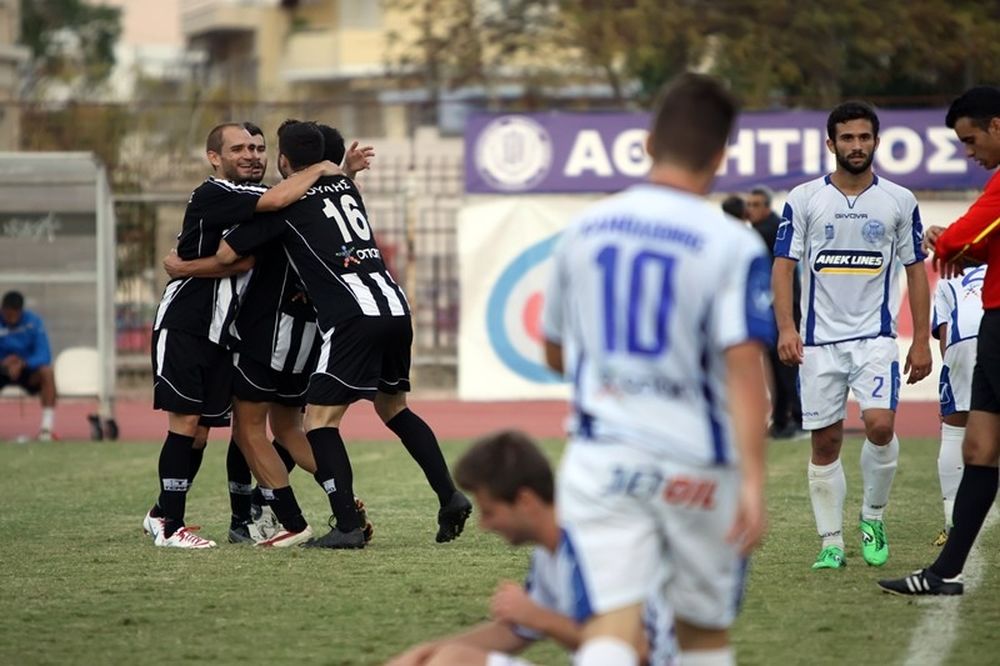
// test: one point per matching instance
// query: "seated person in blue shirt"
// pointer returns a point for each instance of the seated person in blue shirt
(25, 358)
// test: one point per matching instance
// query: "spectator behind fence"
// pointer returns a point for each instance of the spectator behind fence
(25, 358)
(786, 411)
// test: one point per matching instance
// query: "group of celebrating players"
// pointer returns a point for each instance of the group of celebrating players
(279, 300)
(659, 311)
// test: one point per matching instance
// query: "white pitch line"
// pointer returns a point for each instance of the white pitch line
(931, 642)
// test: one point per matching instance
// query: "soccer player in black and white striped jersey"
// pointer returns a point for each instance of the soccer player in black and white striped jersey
(364, 321)
(276, 345)
(192, 367)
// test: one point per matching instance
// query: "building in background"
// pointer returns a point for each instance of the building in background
(11, 57)
(151, 52)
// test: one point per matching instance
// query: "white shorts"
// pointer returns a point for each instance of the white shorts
(634, 521)
(501, 659)
(869, 368)
(955, 385)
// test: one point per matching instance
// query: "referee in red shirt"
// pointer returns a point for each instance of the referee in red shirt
(975, 117)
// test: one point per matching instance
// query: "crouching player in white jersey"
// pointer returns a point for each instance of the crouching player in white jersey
(512, 485)
(958, 308)
(659, 310)
(851, 227)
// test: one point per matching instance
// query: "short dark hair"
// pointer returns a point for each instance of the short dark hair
(848, 111)
(763, 191)
(502, 464)
(214, 141)
(692, 119)
(13, 300)
(980, 104)
(333, 144)
(301, 143)
(735, 206)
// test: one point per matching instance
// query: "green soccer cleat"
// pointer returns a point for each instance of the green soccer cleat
(874, 545)
(831, 557)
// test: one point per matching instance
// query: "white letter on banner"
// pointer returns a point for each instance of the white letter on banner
(588, 154)
(742, 151)
(777, 141)
(629, 153)
(943, 160)
(812, 147)
(913, 150)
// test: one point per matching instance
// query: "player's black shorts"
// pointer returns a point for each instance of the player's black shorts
(986, 375)
(361, 356)
(254, 381)
(22, 380)
(192, 375)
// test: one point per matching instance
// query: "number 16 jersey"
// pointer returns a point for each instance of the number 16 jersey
(329, 242)
(648, 290)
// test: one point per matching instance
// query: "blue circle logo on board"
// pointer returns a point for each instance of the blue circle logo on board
(514, 312)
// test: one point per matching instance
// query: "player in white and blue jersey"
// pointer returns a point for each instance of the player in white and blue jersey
(852, 229)
(958, 308)
(659, 310)
(511, 482)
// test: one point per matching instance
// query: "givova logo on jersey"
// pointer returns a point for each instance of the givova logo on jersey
(514, 312)
(849, 262)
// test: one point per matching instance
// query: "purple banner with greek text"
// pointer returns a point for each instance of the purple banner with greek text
(604, 152)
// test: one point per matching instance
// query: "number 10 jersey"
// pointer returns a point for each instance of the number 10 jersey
(649, 288)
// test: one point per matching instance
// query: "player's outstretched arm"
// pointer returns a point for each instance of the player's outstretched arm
(513, 605)
(918, 359)
(782, 281)
(748, 407)
(294, 187)
(488, 637)
(205, 267)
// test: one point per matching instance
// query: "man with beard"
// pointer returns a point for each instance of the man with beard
(851, 226)
(192, 368)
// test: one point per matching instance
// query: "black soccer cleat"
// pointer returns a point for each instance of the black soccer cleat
(338, 540)
(452, 517)
(923, 582)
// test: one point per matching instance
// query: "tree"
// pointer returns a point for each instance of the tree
(71, 42)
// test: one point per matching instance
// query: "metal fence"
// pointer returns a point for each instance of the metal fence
(155, 157)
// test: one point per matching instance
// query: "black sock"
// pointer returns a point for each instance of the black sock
(973, 500)
(285, 456)
(335, 476)
(287, 509)
(175, 460)
(422, 445)
(238, 473)
(197, 455)
(258, 498)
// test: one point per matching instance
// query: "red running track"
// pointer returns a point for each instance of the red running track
(450, 419)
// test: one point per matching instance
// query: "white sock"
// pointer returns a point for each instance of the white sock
(48, 418)
(950, 466)
(827, 490)
(605, 651)
(878, 469)
(720, 657)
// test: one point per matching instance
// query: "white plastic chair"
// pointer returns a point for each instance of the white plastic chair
(77, 370)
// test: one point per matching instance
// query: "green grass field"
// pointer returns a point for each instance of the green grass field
(80, 584)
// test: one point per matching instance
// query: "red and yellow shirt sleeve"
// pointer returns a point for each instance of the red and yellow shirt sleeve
(970, 234)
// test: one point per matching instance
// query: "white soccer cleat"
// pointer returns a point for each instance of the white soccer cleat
(286, 539)
(264, 526)
(183, 538)
(45, 436)
(152, 526)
